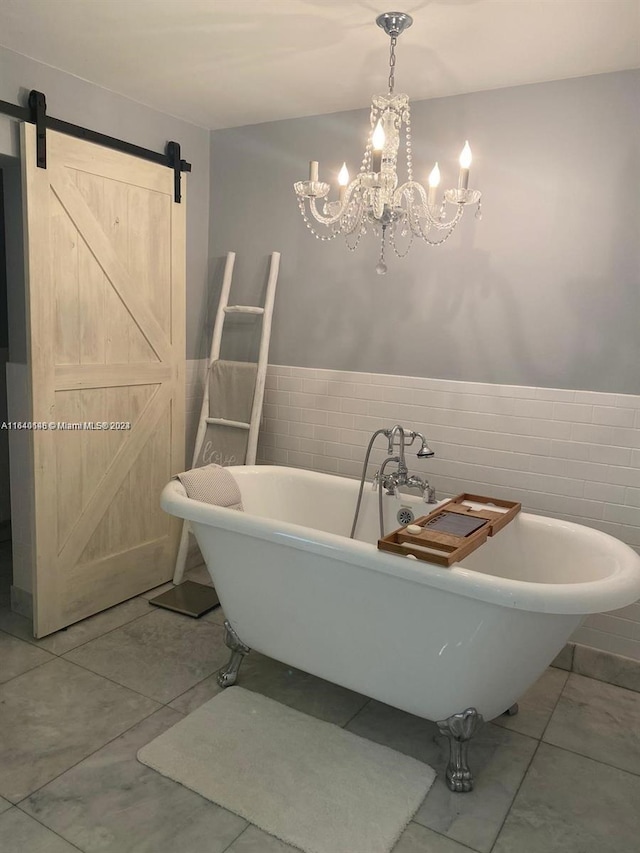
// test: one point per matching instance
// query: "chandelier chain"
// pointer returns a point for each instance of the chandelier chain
(392, 63)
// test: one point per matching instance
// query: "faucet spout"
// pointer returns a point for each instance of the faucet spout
(400, 432)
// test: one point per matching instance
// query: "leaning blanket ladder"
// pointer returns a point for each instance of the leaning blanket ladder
(191, 598)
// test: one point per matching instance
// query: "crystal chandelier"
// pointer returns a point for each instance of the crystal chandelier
(375, 201)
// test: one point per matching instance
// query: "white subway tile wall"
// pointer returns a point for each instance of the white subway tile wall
(570, 454)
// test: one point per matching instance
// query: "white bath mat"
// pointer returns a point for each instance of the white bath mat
(309, 783)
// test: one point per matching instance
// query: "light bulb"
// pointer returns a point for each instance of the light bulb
(465, 162)
(378, 138)
(434, 180)
(343, 181)
(377, 143)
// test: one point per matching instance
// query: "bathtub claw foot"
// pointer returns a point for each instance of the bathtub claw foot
(512, 711)
(228, 676)
(460, 728)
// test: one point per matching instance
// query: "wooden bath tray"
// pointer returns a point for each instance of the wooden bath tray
(453, 530)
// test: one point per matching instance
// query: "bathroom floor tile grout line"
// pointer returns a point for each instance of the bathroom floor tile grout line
(557, 702)
(590, 758)
(573, 751)
(242, 831)
(87, 756)
(161, 705)
(535, 752)
(26, 671)
(515, 794)
(52, 831)
(555, 746)
(447, 837)
(34, 641)
(159, 702)
(441, 834)
(193, 686)
(359, 711)
(62, 656)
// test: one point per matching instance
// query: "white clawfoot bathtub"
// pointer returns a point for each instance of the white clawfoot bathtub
(432, 641)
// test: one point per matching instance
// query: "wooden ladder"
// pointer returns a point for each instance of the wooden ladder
(253, 425)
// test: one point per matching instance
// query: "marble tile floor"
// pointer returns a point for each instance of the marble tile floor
(562, 775)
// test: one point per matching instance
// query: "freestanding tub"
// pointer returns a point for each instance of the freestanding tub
(453, 645)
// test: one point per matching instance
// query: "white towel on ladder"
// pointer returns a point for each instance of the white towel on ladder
(231, 391)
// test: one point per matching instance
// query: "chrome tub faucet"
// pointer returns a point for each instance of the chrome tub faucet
(399, 439)
(391, 482)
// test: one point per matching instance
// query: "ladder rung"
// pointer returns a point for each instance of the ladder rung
(225, 422)
(243, 309)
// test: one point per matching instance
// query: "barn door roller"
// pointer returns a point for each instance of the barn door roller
(38, 107)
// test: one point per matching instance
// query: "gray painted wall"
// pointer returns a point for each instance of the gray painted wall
(83, 103)
(544, 291)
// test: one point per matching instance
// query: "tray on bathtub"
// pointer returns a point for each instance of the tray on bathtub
(453, 530)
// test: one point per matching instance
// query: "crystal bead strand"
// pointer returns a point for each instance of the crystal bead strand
(381, 267)
(323, 237)
(408, 143)
(392, 240)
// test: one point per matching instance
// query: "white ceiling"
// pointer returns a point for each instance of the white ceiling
(225, 64)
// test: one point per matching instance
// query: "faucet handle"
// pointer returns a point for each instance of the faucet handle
(429, 494)
(376, 481)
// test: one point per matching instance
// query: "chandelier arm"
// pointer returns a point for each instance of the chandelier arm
(343, 206)
(320, 217)
(434, 222)
(307, 222)
(451, 224)
(419, 231)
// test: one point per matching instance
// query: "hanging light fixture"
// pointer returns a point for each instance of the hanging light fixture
(375, 200)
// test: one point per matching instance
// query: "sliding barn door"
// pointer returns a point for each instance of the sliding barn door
(105, 248)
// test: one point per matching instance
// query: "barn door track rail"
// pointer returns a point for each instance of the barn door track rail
(36, 113)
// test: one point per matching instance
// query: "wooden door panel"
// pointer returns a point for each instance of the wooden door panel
(122, 460)
(150, 259)
(137, 222)
(114, 578)
(83, 458)
(112, 263)
(132, 515)
(106, 281)
(64, 271)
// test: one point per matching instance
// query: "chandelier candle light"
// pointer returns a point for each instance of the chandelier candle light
(374, 200)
